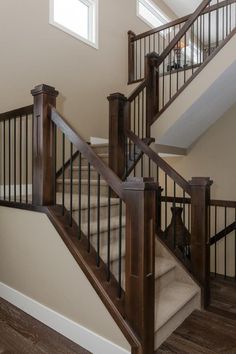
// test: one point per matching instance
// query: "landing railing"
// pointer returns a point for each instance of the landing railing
(209, 29)
(223, 238)
(16, 131)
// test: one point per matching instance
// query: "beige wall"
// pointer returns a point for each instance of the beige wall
(35, 261)
(34, 52)
(213, 156)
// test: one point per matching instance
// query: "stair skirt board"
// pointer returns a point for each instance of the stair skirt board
(61, 324)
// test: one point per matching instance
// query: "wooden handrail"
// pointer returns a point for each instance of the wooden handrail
(17, 113)
(160, 162)
(179, 21)
(226, 231)
(107, 174)
(223, 203)
(137, 91)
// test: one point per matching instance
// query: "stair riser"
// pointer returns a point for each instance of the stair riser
(84, 162)
(84, 174)
(84, 189)
(114, 212)
(165, 280)
(101, 149)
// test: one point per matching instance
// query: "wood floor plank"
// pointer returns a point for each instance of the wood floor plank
(22, 334)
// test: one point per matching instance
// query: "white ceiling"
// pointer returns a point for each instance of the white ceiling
(182, 7)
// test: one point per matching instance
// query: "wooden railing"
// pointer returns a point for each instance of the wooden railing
(212, 26)
(223, 238)
(16, 129)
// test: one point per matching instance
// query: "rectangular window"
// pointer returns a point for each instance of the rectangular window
(151, 14)
(77, 18)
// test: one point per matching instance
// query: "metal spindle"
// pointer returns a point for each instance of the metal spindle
(88, 221)
(109, 236)
(63, 173)
(20, 152)
(79, 195)
(14, 159)
(26, 158)
(9, 156)
(98, 220)
(120, 249)
(71, 184)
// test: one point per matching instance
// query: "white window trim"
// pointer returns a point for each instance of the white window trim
(93, 23)
(153, 8)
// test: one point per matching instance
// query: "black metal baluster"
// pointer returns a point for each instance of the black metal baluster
(14, 159)
(120, 249)
(4, 160)
(9, 156)
(174, 206)
(89, 191)
(109, 236)
(209, 33)
(20, 159)
(225, 242)
(215, 240)
(79, 195)
(71, 184)
(98, 220)
(63, 173)
(235, 246)
(166, 200)
(55, 163)
(26, 158)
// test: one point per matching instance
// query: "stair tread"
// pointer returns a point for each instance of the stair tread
(171, 300)
(163, 266)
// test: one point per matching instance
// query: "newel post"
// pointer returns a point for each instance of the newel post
(200, 246)
(140, 194)
(43, 189)
(118, 123)
(152, 93)
(131, 55)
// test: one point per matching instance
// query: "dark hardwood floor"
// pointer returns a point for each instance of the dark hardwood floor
(208, 332)
(21, 334)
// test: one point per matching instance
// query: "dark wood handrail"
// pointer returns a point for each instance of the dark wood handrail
(226, 231)
(179, 21)
(223, 203)
(137, 91)
(107, 174)
(17, 113)
(182, 32)
(160, 162)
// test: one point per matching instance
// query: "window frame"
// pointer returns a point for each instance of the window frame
(92, 39)
(154, 9)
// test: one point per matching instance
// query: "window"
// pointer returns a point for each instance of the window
(150, 13)
(76, 17)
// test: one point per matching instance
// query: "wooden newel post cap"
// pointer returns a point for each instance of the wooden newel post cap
(44, 89)
(140, 184)
(201, 182)
(117, 96)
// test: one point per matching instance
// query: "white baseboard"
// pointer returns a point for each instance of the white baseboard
(72, 330)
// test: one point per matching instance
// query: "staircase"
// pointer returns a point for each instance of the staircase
(138, 229)
(176, 294)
